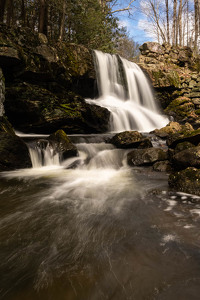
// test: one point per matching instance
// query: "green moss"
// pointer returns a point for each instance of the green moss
(182, 106)
(70, 111)
(174, 79)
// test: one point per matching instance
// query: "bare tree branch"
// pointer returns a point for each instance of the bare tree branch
(122, 9)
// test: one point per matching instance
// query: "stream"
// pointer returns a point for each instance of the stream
(93, 228)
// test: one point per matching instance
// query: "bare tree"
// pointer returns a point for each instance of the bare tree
(180, 10)
(167, 18)
(196, 23)
(62, 21)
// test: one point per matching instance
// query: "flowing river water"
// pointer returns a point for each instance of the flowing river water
(94, 228)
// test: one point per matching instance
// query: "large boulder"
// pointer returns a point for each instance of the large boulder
(31, 108)
(62, 144)
(171, 128)
(14, 153)
(182, 108)
(130, 139)
(187, 181)
(151, 47)
(142, 157)
(188, 136)
(187, 158)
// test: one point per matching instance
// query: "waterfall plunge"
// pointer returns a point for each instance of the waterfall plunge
(125, 92)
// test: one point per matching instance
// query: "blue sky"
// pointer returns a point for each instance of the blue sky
(133, 23)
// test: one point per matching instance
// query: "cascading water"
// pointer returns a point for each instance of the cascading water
(125, 92)
(43, 154)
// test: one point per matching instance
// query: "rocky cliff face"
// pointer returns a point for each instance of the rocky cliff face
(174, 72)
(46, 84)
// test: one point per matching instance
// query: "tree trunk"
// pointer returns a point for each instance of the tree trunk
(23, 12)
(2, 10)
(43, 17)
(9, 12)
(167, 18)
(180, 29)
(174, 40)
(62, 21)
(196, 31)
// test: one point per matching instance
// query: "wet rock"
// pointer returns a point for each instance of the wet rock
(188, 136)
(162, 166)
(127, 139)
(141, 157)
(183, 146)
(187, 158)
(187, 181)
(62, 144)
(14, 153)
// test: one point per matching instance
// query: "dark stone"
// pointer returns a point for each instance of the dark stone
(141, 157)
(187, 181)
(183, 146)
(127, 139)
(162, 166)
(14, 153)
(62, 144)
(5, 126)
(187, 158)
(31, 108)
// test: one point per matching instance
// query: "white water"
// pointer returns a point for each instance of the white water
(125, 92)
(43, 156)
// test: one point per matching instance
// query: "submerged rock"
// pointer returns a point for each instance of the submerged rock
(141, 157)
(14, 153)
(130, 139)
(62, 144)
(187, 181)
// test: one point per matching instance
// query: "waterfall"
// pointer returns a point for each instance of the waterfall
(42, 154)
(125, 92)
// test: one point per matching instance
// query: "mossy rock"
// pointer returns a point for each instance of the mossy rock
(142, 157)
(187, 136)
(127, 139)
(62, 144)
(180, 107)
(187, 158)
(187, 181)
(31, 108)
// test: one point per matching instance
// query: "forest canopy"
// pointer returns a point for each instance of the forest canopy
(86, 22)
